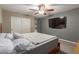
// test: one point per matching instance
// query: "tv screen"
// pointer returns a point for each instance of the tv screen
(58, 22)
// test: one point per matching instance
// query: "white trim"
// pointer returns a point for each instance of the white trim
(68, 41)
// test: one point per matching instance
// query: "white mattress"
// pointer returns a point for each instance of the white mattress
(42, 48)
(39, 37)
(42, 42)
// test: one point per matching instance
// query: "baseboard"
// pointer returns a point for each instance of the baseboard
(68, 41)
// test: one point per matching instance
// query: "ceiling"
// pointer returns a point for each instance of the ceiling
(25, 8)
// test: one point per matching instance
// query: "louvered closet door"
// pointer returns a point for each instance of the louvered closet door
(26, 25)
(20, 24)
(16, 24)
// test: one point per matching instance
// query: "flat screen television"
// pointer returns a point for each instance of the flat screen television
(58, 22)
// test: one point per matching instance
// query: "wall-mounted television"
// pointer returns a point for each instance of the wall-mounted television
(58, 22)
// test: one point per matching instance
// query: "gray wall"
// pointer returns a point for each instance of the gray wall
(70, 33)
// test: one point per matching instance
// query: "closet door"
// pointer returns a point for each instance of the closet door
(16, 24)
(20, 24)
(26, 25)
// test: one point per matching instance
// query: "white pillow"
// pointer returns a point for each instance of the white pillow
(6, 46)
(9, 36)
(2, 35)
(17, 35)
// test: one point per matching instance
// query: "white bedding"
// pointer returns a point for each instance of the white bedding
(22, 44)
(38, 37)
(6, 46)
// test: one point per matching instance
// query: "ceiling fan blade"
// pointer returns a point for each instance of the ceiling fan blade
(35, 13)
(33, 9)
(50, 10)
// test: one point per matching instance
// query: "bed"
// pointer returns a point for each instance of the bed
(41, 43)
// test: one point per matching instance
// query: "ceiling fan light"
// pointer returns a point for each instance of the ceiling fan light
(41, 12)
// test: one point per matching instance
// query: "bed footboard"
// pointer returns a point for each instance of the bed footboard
(45, 48)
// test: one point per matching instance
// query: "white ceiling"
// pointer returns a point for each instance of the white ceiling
(24, 8)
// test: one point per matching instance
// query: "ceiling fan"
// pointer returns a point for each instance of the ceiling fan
(42, 9)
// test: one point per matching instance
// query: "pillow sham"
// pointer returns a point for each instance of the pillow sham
(17, 35)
